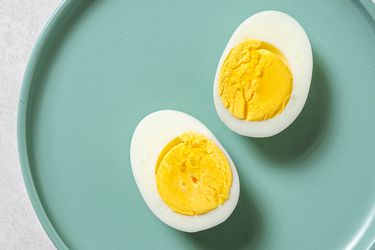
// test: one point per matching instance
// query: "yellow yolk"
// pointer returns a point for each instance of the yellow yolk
(193, 175)
(255, 82)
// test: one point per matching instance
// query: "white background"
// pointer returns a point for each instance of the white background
(21, 22)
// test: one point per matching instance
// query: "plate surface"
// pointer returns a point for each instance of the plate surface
(100, 66)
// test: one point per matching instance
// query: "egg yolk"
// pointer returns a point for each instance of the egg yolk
(255, 82)
(193, 175)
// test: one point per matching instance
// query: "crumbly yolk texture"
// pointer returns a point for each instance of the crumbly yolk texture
(255, 82)
(193, 175)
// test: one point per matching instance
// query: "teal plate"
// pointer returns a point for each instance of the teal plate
(100, 66)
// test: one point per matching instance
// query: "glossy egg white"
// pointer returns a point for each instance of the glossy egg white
(149, 138)
(286, 34)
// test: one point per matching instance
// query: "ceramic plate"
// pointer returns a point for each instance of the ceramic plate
(99, 67)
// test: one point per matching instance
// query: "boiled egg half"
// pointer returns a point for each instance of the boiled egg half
(183, 173)
(264, 74)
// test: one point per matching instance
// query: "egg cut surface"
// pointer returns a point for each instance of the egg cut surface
(264, 74)
(183, 173)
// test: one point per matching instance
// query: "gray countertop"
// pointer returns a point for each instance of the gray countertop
(21, 22)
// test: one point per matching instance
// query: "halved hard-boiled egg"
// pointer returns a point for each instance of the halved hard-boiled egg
(183, 173)
(263, 77)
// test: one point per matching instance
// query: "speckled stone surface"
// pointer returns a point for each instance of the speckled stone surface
(21, 22)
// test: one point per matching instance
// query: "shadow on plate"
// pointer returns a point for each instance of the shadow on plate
(307, 131)
(366, 14)
(240, 231)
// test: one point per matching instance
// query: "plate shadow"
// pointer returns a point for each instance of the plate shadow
(365, 13)
(240, 231)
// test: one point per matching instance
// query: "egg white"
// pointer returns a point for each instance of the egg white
(286, 34)
(149, 138)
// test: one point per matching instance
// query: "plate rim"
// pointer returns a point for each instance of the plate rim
(23, 101)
